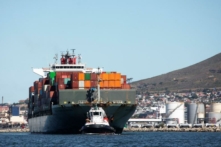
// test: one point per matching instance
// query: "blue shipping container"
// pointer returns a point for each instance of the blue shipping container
(15, 111)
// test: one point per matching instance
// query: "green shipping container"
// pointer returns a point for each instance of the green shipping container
(52, 75)
(87, 76)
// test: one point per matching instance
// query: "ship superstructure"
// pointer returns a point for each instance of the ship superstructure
(60, 99)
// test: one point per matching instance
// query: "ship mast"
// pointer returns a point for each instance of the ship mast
(98, 85)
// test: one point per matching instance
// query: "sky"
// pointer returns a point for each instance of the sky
(140, 39)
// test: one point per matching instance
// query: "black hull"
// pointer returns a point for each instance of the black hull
(69, 119)
(97, 129)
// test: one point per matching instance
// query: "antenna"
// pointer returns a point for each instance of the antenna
(79, 58)
(56, 58)
(73, 52)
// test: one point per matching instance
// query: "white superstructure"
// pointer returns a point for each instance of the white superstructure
(68, 63)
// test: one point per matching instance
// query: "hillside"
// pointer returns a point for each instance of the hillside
(205, 74)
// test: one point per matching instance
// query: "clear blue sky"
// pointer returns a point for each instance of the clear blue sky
(141, 39)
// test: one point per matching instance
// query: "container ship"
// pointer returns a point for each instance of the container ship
(65, 92)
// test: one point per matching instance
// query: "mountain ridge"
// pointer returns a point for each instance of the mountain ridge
(204, 74)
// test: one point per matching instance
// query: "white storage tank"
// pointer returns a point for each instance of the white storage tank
(195, 113)
(174, 112)
(214, 117)
(215, 107)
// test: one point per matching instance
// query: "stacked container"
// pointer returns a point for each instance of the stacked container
(45, 91)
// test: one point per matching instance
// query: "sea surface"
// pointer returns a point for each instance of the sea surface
(130, 139)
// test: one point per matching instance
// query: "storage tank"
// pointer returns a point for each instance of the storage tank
(214, 117)
(195, 113)
(215, 107)
(174, 112)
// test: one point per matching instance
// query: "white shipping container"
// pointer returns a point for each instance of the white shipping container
(122, 80)
(81, 84)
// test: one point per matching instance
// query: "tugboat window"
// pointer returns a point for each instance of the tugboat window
(96, 113)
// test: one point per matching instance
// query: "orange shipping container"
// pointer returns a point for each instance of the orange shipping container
(87, 84)
(117, 76)
(111, 76)
(105, 84)
(111, 84)
(117, 84)
(104, 76)
(81, 76)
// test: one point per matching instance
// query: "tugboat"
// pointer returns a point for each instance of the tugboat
(97, 122)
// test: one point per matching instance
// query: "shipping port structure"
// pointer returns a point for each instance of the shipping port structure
(60, 99)
(182, 115)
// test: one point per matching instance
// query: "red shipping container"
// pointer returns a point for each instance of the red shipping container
(75, 84)
(74, 76)
(125, 86)
(60, 81)
(64, 76)
(61, 86)
(93, 84)
(31, 89)
(93, 77)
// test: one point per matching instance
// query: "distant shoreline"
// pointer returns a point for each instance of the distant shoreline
(9, 130)
(209, 129)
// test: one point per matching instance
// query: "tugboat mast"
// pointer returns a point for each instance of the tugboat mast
(98, 85)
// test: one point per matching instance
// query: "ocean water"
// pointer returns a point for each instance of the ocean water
(127, 139)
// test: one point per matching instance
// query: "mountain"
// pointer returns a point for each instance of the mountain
(203, 75)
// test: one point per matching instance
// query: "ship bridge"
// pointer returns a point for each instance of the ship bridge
(68, 63)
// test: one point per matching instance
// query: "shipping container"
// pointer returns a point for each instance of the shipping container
(60, 81)
(52, 74)
(75, 76)
(74, 84)
(117, 84)
(111, 76)
(87, 84)
(124, 77)
(111, 84)
(93, 84)
(117, 76)
(15, 110)
(61, 86)
(104, 76)
(31, 89)
(87, 76)
(104, 84)
(81, 76)
(93, 77)
(81, 84)
(125, 86)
